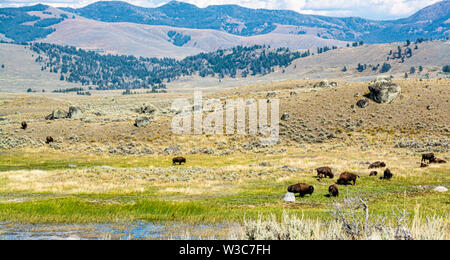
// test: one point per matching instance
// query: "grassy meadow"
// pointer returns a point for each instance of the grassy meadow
(40, 187)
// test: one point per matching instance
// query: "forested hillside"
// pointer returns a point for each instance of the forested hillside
(128, 72)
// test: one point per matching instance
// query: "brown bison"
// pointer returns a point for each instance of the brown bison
(428, 157)
(24, 125)
(347, 177)
(178, 160)
(377, 165)
(387, 175)
(302, 189)
(333, 190)
(49, 139)
(373, 173)
(324, 172)
(437, 160)
(423, 165)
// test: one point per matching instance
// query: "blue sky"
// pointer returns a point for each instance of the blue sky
(372, 9)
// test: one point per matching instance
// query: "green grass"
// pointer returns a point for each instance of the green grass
(239, 200)
(56, 161)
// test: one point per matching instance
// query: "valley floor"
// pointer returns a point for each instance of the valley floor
(102, 169)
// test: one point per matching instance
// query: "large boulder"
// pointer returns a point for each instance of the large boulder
(75, 113)
(384, 91)
(57, 114)
(142, 122)
(323, 84)
(289, 197)
(146, 109)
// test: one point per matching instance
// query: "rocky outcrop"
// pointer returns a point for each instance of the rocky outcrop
(75, 113)
(57, 114)
(323, 84)
(384, 91)
(142, 122)
(146, 109)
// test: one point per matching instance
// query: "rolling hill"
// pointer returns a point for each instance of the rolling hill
(431, 22)
(22, 71)
(179, 30)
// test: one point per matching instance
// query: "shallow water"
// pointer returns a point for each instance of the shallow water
(133, 231)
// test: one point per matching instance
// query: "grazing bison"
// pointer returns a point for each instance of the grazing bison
(437, 160)
(423, 165)
(302, 189)
(377, 165)
(178, 160)
(24, 125)
(387, 175)
(324, 172)
(346, 177)
(49, 140)
(428, 157)
(333, 190)
(373, 173)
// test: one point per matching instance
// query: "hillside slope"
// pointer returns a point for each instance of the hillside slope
(430, 22)
(21, 72)
(154, 41)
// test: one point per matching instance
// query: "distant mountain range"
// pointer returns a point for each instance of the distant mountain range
(179, 29)
(430, 22)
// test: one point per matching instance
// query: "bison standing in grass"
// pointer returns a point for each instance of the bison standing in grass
(387, 175)
(428, 157)
(324, 172)
(373, 173)
(377, 165)
(347, 177)
(178, 160)
(333, 190)
(49, 140)
(302, 189)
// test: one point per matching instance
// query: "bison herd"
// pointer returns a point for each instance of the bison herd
(430, 158)
(347, 178)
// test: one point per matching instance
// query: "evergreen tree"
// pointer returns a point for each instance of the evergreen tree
(385, 67)
(412, 70)
(446, 69)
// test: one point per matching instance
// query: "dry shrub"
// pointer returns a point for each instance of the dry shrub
(351, 221)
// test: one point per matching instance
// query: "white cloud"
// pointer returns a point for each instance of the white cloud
(374, 9)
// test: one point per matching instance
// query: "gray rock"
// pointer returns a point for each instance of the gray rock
(440, 189)
(285, 117)
(142, 122)
(384, 91)
(75, 113)
(57, 114)
(363, 103)
(323, 84)
(146, 109)
(289, 197)
(172, 150)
